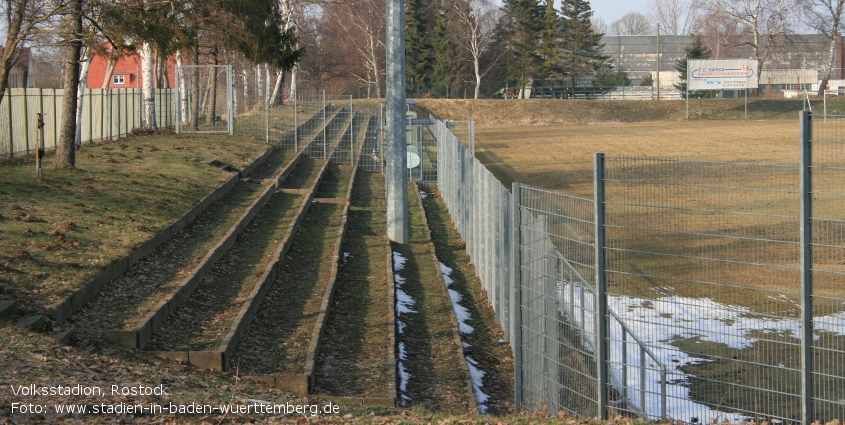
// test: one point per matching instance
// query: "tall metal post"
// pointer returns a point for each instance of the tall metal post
(687, 87)
(516, 296)
(806, 189)
(658, 61)
(295, 127)
(396, 161)
(325, 124)
(230, 90)
(602, 356)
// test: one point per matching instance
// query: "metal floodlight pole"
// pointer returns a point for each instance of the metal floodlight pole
(397, 193)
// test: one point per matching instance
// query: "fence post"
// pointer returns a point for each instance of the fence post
(26, 118)
(806, 188)
(296, 126)
(8, 97)
(601, 288)
(516, 296)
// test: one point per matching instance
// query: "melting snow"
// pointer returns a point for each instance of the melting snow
(461, 313)
(463, 316)
(403, 303)
(398, 261)
(423, 194)
(659, 322)
(400, 327)
(477, 376)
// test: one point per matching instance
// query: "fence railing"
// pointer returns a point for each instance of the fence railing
(696, 291)
(106, 115)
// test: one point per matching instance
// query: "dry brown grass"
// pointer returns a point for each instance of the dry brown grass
(746, 252)
(561, 156)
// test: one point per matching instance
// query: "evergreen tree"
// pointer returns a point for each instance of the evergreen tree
(582, 46)
(451, 63)
(697, 51)
(549, 49)
(524, 62)
(417, 46)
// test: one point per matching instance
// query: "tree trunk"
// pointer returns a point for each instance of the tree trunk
(10, 49)
(259, 85)
(196, 89)
(109, 72)
(147, 91)
(274, 99)
(477, 77)
(183, 107)
(66, 150)
(294, 72)
(80, 92)
(247, 106)
(212, 116)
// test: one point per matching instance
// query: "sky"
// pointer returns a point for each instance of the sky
(612, 10)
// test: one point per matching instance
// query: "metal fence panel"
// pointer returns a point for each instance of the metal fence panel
(703, 266)
(828, 268)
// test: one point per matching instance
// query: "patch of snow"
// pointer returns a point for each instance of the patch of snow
(404, 376)
(423, 194)
(398, 261)
(346, 256)
(403, 355)
(403, 303)
(466, 345)
(477, 377)
(447, 273)
(461, 313)
(659, 322)
(400, 327)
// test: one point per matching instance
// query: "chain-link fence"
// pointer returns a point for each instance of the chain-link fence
(716, 292)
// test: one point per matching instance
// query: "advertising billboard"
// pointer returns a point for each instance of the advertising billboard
(719, 74)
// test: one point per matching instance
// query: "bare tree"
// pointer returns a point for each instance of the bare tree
(720, 33)
(632, 23)
(362, 26)
(766, 20)
(23, 19)
(478, 26)
(600, 26)
(825, 16)
(675, 17)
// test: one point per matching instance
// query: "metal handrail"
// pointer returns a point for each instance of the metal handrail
(644, 349)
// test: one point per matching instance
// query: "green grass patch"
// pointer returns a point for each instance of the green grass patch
(57, 233)
(277, 341)
(495, 359)
(353, 358)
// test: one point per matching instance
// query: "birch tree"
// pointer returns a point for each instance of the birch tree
(477, 29)
(825, 16)
(361, 26)
(675, 17)
(765, 20)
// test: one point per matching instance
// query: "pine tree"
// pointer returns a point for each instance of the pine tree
(549, 49)
(451, 63)
(697, 51)
(582, 46)
(417, 46)
(524, 62)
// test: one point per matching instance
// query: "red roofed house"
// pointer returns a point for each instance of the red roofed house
(127, 72)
